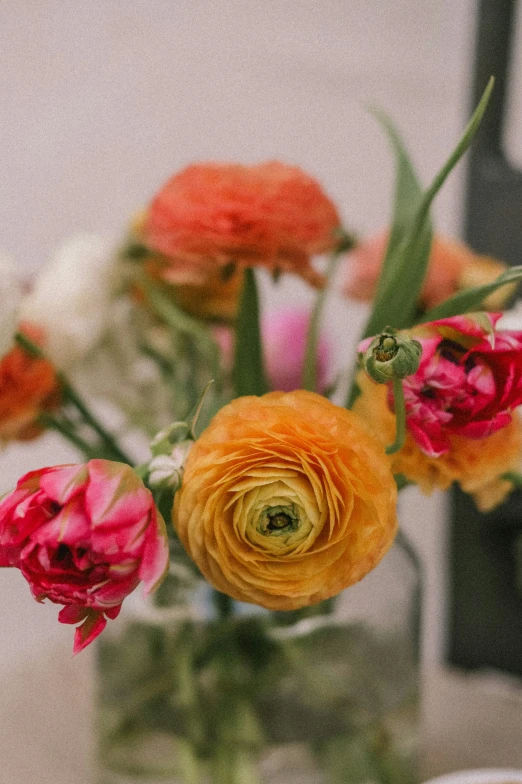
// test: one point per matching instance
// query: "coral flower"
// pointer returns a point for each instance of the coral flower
(212, 297)
(214, 214)
(476, 466)
(83, 536)
(28, 388)
(452, 267)
(286, 500)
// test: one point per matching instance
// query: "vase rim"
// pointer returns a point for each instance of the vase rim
(480, 776)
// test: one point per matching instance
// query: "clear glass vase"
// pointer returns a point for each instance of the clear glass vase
(197, 689)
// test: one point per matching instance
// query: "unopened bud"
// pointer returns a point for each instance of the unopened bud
(166, 471)
(391, 355)
(163, 441)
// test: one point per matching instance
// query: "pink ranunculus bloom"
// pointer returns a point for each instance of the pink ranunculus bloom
(284, 335)
(468, 382)
(84, 536)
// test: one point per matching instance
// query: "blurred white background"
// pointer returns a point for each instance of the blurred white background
(101, 102)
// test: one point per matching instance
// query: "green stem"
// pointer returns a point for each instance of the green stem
(71, 396)
(514, 477)
(188, 698)
(312, 338)
(52, 423)
(223, 604)
(400, 417)
(401, 481)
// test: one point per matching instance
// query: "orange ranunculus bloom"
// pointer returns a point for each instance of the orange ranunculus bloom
(213, 298)
(28, 387)
(475, 464)
(270, 214)
(286, 500)
(211, 294)
(452, 267)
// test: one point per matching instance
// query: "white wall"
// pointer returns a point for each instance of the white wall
(101, 101)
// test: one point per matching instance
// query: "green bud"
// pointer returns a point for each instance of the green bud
(391, 355)
(163, 441)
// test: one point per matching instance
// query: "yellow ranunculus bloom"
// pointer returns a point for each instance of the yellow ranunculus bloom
(286, 500)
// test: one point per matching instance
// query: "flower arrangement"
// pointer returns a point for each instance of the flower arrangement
(265, 477)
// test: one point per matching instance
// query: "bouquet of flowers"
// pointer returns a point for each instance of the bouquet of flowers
(269, 488)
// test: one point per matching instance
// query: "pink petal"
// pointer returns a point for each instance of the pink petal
(284, 335)
(470, 324)
(93, 625)
(155, 557)
(9, 556)
(113, 592)
(61, 483)
(481, 377)
(432, 445)
(115, 495)
(73, 613)
(485, 428)
(70, 526)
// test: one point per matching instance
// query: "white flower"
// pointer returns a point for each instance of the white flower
(71, 298)
(167, 470)
(10, 296)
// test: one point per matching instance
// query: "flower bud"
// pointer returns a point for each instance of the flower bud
(166, 471)
(163, 441)
(391, 355)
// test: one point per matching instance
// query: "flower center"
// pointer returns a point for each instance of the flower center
(277, 520)
(387, 349)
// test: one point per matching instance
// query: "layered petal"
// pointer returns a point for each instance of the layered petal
(286, 500)
(468, 383)
(476, 466)
(212, 214)
(84, 536)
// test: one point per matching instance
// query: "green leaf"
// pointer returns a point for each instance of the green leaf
(312, 338)
(399, 289)
(406, 258)
(471, 299)
(408, 195)
(249, 371)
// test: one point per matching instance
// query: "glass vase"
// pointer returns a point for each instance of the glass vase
(195, 688)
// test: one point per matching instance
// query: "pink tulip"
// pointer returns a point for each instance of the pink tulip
(468, 382)
(84, 536)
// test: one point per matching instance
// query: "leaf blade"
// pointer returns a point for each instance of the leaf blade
(396, 298)
(249, 374)
(471, 299)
